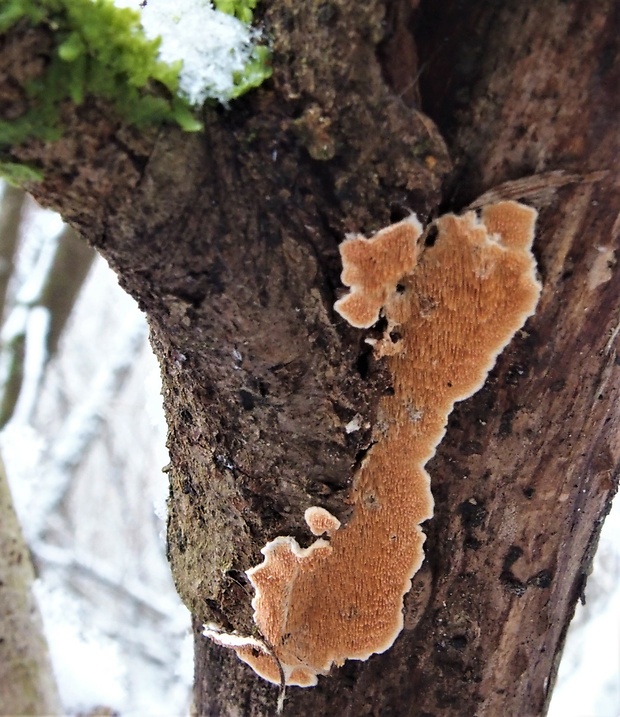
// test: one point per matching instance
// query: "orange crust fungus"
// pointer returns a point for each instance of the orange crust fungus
(370, 276)
(459, 303)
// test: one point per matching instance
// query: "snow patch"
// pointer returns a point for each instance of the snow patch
(87, 665)
(213, 45)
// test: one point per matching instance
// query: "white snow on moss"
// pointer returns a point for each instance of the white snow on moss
(213, 46)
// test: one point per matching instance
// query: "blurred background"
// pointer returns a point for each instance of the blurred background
(83, 440)
(82, 435)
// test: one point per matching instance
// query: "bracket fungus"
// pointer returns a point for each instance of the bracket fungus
(458, 303)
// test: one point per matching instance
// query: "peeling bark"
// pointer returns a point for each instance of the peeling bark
(229, 242)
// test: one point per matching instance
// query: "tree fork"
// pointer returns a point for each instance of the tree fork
(229, 242)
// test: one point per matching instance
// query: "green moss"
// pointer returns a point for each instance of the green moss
(254, 73)
(259, 68)
(101, 50)
(241, 9)
(18, 174)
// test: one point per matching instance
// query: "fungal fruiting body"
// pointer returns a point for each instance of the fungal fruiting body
(369, 276)
(458, 303)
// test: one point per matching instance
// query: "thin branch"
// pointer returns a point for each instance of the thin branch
(51, 292)
(14, 343)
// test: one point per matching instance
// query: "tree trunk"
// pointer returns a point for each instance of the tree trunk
(229, 242)
(27, 683)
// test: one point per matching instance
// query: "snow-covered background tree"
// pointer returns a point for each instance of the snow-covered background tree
(85, 448)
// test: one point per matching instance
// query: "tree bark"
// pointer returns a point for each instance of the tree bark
(11, 208)
(229, 242)
(70, 267)
(27, 683)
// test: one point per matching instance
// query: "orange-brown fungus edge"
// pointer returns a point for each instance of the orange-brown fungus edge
(462, 303)
(371, 278)
(321, 521)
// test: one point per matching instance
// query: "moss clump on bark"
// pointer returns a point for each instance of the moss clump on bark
(102, 51)
(99, 50)
(19, 174)
(241, 9)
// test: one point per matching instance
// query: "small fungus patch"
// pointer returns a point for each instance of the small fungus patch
(371, 278)
(342, 597)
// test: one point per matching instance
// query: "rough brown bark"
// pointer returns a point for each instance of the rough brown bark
(229, 241)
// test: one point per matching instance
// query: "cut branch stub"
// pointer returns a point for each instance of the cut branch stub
(459, 306)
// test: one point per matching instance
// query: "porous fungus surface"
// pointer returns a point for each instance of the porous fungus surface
(455, 310)
(321, 521)
(370, 276)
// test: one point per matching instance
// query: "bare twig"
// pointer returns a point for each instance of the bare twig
(538, 189)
